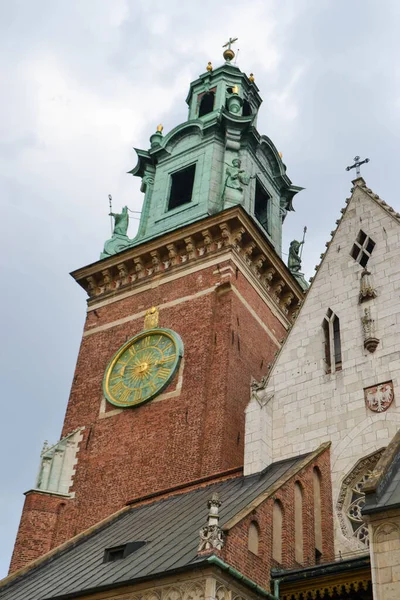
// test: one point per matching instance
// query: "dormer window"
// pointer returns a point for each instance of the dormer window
(362, 248)
(181, 187)
(122, 551)
(261, 200)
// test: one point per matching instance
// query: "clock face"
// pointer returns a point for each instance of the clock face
(143, 367)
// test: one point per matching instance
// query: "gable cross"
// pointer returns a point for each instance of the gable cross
(357, 165)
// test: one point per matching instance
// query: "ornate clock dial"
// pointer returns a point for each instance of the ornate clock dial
(143, 367)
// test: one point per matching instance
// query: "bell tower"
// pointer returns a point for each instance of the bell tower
(177, 320)
(213, 161)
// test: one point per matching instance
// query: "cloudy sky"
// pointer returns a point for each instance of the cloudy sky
(83, 81)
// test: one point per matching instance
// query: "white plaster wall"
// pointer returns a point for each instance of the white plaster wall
(309, 406)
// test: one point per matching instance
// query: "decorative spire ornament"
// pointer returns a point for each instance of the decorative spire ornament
(211, 536)
(209, 66)
(229, 54)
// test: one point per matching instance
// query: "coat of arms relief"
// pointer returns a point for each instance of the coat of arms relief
(379, 397)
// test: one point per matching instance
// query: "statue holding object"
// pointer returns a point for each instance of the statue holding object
(236, 178)
(294, 261)
(119, 239)
(121, 221)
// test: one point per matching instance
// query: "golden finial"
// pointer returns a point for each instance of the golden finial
(235, 89)
(280, 155)
(229, 53)
(151, 318)
(251, 77)
(209, 66)
(160, 128)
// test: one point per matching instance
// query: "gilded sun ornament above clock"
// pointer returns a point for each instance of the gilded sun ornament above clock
(143, 367)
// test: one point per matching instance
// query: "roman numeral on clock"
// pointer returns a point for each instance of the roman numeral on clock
(163, 373)
(117, 388)
(124, 397)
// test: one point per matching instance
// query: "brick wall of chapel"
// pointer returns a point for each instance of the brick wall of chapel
(171, 440)
(258, 567)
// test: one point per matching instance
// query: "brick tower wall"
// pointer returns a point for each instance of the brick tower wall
(194, 429)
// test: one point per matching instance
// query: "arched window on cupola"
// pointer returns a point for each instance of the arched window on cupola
(277, 531)
(253, 537)
(206, 104)
(246, 112)
(333, 346)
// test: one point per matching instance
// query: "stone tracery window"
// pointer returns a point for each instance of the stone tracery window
(352, 499)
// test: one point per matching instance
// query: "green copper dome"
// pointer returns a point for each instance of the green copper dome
(214, 160)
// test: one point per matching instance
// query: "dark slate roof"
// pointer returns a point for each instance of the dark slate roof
(382, 490)
(170, 527)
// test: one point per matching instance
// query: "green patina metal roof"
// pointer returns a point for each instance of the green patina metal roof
(226, 161)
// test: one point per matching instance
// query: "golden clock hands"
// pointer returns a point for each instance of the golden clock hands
(162, 361)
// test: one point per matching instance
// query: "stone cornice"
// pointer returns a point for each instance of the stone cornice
(230, 230)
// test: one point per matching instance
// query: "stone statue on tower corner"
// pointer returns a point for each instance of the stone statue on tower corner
(119, 238)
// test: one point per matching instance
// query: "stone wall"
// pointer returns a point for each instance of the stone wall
(385, 555)
(303, 405)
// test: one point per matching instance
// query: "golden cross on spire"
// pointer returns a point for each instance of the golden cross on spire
(229, 53)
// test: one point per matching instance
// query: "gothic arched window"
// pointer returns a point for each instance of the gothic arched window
(277, 530)
(298, 523)
(333, 347)
(253, 537)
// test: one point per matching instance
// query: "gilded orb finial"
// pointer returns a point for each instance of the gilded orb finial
(209, 66)
(229, 53)
(160, 128)
(251, 77)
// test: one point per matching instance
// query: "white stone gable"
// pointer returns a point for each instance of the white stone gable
(309, 406)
